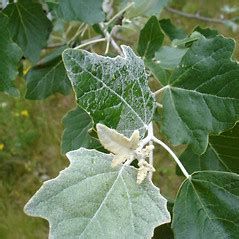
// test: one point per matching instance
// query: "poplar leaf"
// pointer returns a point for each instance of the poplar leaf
(10, 55)
(146, 8)
(77, 123)
(48, 77)
(114, 91)
(91, 199)
(202, 97)
(169, 57)
(29, 27)
(207, 206)
(222, 154)
(172, 31)
(150, 38)
(89, 11)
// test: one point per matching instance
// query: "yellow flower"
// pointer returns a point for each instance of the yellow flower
(25, 71)
(24, 113)
(1, 147)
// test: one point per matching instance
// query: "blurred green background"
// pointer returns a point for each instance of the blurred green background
(30, 135)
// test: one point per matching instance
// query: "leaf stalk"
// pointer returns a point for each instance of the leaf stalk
(184, 171)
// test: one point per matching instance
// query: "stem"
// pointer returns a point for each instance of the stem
(196, 17)
(110, 39)
(151, 155)
(77, 32)
(159, 105)
(84, 30)
(161, 90)
(173, 155)
(119, 13)
(54, 46)
(144, 142)
(90, 42)
(107, 46)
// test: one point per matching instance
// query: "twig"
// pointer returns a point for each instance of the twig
(196, 17)
(184, 171)
(90, 42)
(84, 30)
(77, 33)
(110, 39)
(119, 14)
(107, 45)
(159, 105)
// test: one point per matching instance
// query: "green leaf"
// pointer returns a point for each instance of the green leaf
(48, 77)
(150, 38)
(77, 124)
(171, 31)
(169, 57)
(186, 42)
(29, 27)
(222, 154)
(207, 205)
(207, 32)
(202, 97)
(146, 8)
(91, 198)
(89, 11)
(114, 91)
(158, 72)
(10, 55)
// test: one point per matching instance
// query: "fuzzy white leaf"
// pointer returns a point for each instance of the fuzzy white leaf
(90, 199)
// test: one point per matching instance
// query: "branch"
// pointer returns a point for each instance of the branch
(110, 39)
(77, 32)
(196, 17)
(119, 14)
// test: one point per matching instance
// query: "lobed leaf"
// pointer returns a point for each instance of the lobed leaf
(114, 91)
(222, 154)
(91, 198)
(29, 27)
(48, 77)
(202, 96)
(207, 205)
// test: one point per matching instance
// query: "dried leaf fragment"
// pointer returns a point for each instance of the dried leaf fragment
(122, 147)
